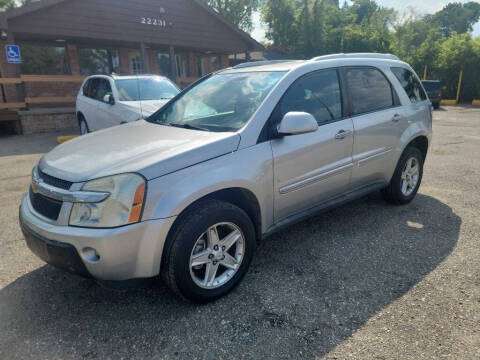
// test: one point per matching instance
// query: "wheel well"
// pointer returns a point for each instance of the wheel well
(421, 143)
(240, 197)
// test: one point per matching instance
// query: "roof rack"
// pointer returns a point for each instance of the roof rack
(258, 63)
(356, 56)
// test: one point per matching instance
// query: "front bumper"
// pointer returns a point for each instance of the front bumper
(124, 253)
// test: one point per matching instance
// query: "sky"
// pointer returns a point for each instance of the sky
(402, 6)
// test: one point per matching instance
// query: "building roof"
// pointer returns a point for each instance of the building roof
(35, 6)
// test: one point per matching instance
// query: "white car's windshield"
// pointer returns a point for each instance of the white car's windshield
(145, 89)
(223, 102)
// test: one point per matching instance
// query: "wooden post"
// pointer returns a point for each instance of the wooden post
(459, 85)
(72, 56)
(425, 73)
(14, 92)
(124, 61)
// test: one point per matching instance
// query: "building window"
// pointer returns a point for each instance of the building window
(182, 66)
(136, 64)
(163, 63)
(44, 60)
(98, 61)
(214, 63)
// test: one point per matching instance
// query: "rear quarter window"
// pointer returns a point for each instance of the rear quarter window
(410, 84)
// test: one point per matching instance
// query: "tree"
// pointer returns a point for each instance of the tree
(238, 12)
(457, 17)
(7, 4)
(279, 15)
(10, 4)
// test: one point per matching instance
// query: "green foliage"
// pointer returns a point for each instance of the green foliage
(10, 4)
(7, 4)
(315, 27)
(238, 12)
(457, 17)
(442, 41)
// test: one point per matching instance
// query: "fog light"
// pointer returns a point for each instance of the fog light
(90, 255)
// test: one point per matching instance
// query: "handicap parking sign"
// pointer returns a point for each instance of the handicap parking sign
(13, 54)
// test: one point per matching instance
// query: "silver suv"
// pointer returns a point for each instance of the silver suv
(240, 154)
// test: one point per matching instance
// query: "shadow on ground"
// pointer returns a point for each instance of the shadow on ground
(309, 288)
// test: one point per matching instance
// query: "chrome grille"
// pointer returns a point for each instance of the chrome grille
(53, 181)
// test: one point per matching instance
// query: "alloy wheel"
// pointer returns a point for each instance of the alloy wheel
(217, 255)
(410, 176)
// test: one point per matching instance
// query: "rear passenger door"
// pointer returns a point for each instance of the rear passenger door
(313, 167)
(376, 115)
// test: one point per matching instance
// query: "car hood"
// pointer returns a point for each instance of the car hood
(150, 149)
(146, 107)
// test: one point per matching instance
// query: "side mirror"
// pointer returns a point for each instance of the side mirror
(108, 98)
(296, 122)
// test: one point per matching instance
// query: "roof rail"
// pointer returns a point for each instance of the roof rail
(258, 63)
(356, 56)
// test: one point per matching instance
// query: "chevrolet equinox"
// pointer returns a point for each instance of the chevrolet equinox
(240, 154)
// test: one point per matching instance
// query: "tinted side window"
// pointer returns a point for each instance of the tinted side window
(86, 88)
(103, 88)
(317, 93)
(410, 84)
(369, 90)
(92, 88)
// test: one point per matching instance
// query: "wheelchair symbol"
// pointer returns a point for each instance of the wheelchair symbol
(13, 54)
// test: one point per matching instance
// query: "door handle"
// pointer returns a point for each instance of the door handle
(342, 134)
(396, 118)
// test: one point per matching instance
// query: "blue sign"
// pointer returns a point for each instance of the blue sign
(13, 54)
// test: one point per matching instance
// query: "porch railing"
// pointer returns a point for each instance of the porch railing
(39, 99)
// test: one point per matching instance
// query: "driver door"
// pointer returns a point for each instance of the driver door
(106, 115)
(313, 167)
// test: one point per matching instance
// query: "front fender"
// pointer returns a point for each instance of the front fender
(249, 169)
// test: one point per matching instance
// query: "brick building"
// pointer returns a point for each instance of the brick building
(62, 41)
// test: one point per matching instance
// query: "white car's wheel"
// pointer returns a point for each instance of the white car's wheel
(83, 126)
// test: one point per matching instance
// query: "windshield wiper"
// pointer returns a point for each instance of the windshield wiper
(187, 126)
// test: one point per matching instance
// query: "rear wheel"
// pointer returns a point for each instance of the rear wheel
(209, 251)
(436, 105)
(83, 125)
(406, 178)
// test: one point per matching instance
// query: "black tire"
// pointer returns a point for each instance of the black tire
(393, 192)
(436, 105)
(82, 121)
(189, 227)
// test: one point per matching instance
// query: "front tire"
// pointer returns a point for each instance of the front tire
(406, 178)
(209, 251)
(83, 125)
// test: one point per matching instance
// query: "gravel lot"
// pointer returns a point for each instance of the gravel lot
(364, 281)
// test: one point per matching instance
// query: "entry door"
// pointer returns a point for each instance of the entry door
(377, 117)
(311, 168)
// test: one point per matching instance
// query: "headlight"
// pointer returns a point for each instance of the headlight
(123, 206)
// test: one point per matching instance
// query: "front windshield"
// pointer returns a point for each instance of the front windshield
(145, 89)
(223, 102)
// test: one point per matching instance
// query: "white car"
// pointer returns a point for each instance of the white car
(108, 100)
